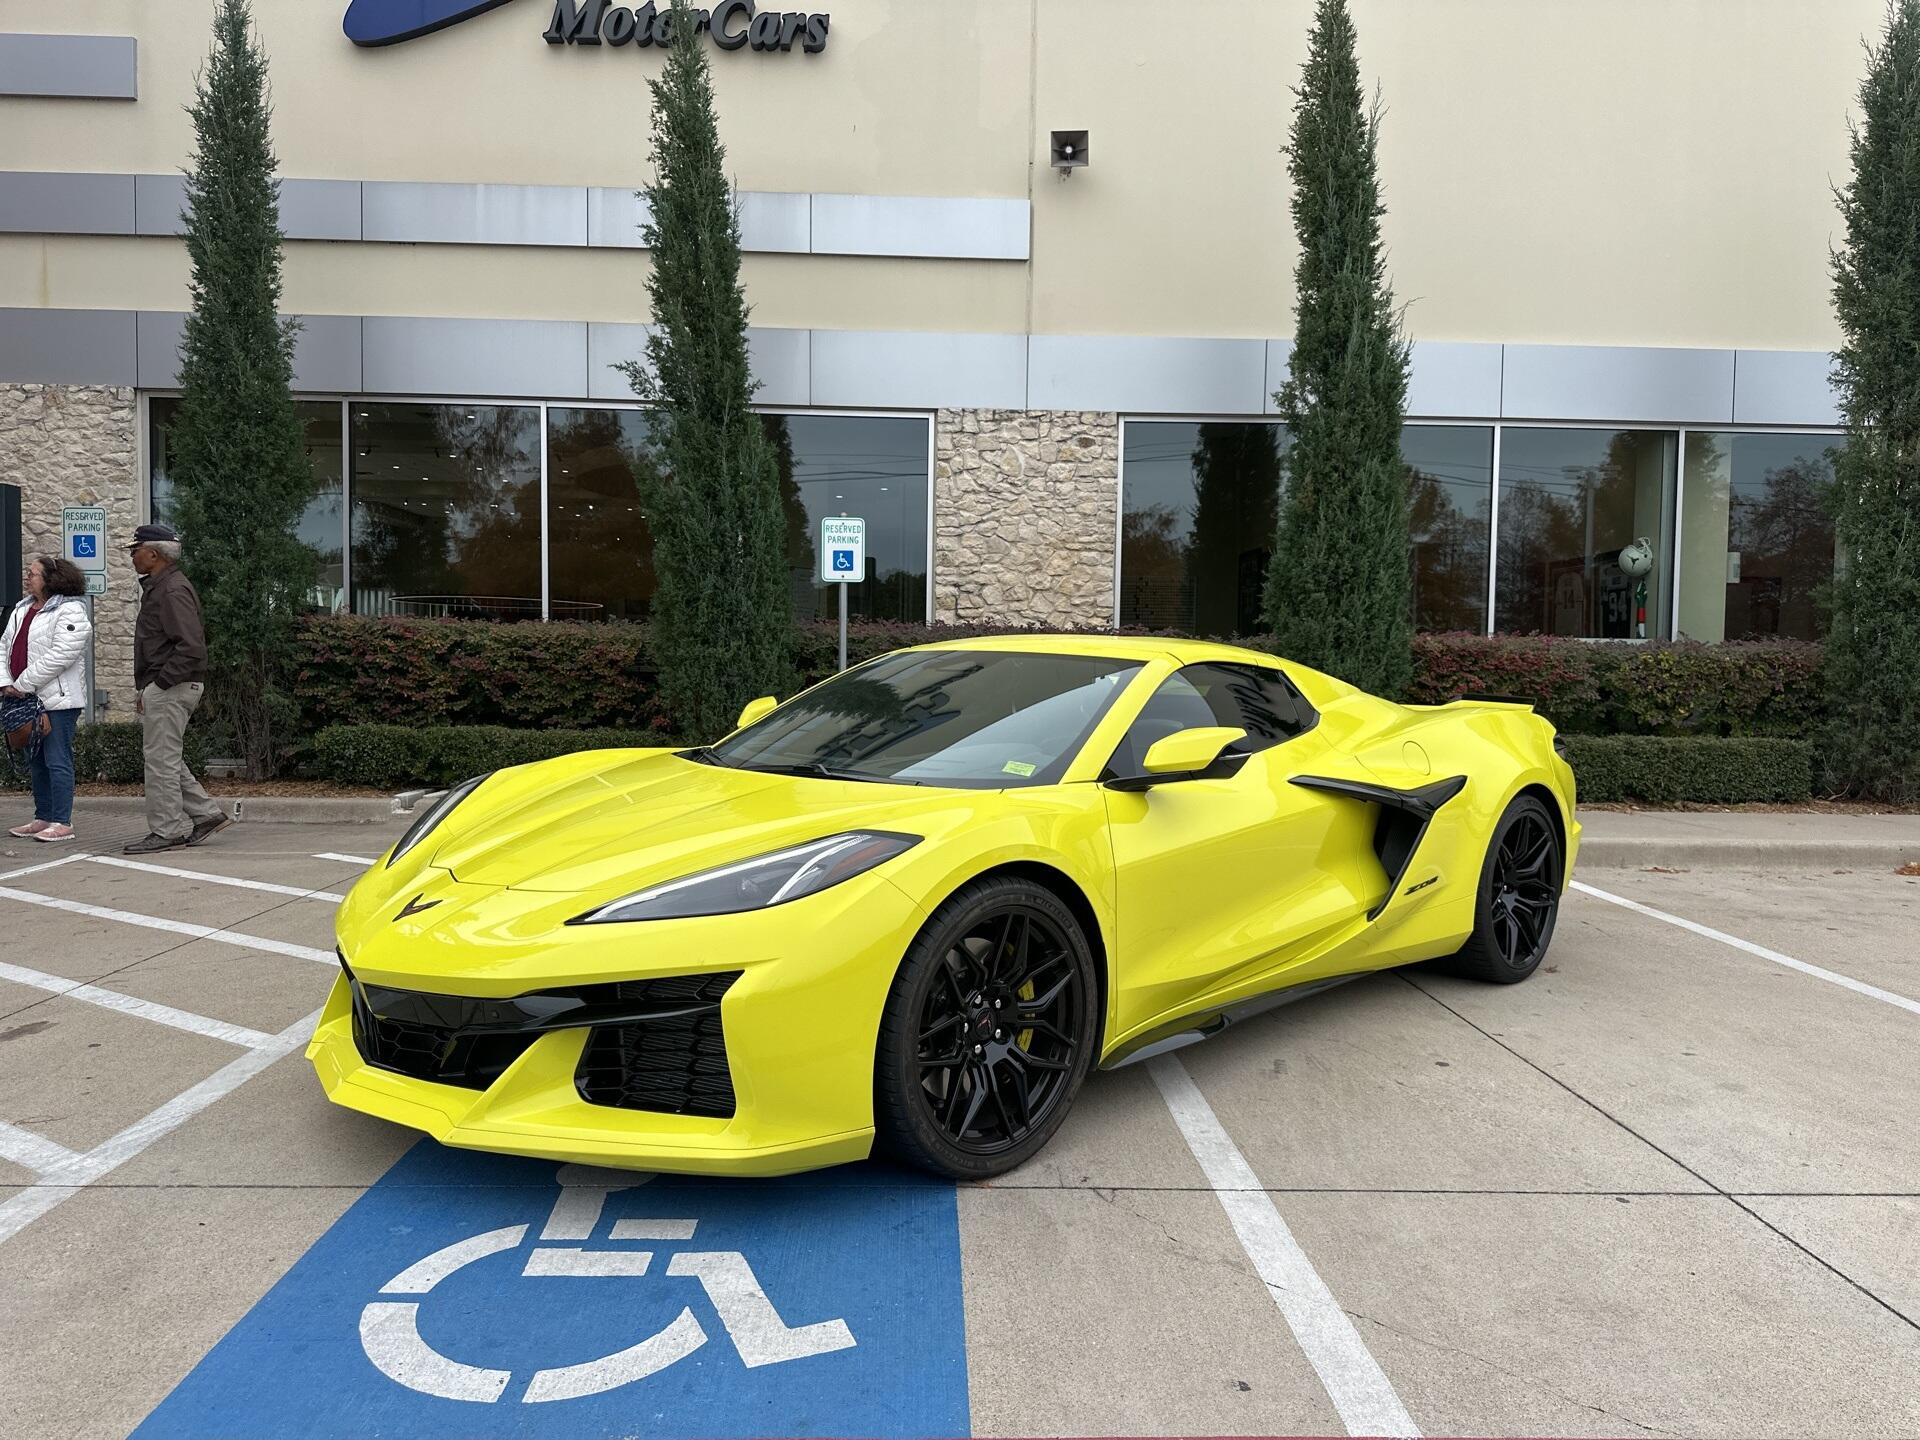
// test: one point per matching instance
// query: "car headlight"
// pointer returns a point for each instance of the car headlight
(439, 811)
(771, 879)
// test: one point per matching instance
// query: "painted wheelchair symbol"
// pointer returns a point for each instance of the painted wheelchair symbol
(390, 1330)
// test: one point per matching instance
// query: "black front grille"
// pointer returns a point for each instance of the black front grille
(675, 1061)
(430, 1037)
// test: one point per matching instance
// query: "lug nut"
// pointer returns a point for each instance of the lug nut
(998, 1004)
(976, 1049)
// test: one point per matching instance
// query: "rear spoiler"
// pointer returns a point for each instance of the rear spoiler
(1482, 698)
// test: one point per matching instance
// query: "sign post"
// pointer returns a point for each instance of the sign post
(83, 530)
(843, 561)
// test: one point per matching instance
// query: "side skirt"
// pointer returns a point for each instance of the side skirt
(1204, 1024)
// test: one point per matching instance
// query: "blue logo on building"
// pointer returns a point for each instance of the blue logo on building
(388, 22)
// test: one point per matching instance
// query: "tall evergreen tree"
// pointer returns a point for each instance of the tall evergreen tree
(1873, 653)
(1338, 589)
(722, 618)
(239, 463)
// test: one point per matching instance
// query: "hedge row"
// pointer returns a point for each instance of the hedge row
(1661, 769)
(599, 676)
(399, 756)
(111, 752)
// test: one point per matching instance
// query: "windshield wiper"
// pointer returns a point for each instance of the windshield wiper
(703, 755)
(827, 772)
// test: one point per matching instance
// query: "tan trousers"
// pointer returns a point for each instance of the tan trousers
(175, 801)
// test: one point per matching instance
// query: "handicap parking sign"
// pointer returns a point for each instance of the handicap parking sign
(85, 547)
(843, 560)
(479, 1295)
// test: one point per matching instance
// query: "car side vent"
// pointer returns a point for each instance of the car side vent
(675, 1062)
(1402, 821)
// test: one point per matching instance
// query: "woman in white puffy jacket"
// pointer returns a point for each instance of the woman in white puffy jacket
(44, 652)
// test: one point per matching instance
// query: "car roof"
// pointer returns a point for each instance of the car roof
(1320, 688)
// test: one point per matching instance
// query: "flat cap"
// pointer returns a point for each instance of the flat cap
(148, 534)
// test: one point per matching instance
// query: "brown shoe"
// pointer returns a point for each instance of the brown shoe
(209, 827)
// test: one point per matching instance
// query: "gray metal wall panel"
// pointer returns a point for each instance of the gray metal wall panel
(67, 347)
(780, 360)
(473, 214)
(158, 347)
(66, 203)
(158, 204)
(771, 222)
(320, 209)
(975, 229)
(1279, 356)
(1146, 375)
(921, 371)
(327, 355)
(78, 67)
(1454, 379)
(1632, 384)
(614, 218)
(1785, 387)
(407, 355)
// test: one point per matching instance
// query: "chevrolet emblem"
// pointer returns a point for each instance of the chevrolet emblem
(414, 907)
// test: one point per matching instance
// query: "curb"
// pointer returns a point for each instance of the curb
(275, 809)
(1619, 853)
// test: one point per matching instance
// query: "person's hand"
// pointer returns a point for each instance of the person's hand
(11, 693)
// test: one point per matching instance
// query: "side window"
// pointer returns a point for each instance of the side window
(1260, 701)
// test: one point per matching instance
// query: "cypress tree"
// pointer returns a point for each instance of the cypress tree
(1873, 653)
(1338, 593)
(721, 617)
(239, 463)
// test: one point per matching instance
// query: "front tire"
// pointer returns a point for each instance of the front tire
(1518, 900)
(988, 1032)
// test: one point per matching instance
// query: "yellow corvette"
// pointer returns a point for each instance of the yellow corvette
(915, 904)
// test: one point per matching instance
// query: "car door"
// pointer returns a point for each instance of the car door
(1221, 880)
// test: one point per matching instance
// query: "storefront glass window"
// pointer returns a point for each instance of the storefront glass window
(1755, 541)
(1449, 506)
(1199, 505)
(1573, 504)
(866, 465)
(446, 510)
(319, 524)
(873, 466)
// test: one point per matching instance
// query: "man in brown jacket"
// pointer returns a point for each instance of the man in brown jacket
(170, 672)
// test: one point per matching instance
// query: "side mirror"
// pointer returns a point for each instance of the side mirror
(1184, 755)
(756, 710)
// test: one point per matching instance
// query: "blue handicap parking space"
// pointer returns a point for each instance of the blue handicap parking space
(477, 1295)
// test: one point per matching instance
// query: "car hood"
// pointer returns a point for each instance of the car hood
(656, 818)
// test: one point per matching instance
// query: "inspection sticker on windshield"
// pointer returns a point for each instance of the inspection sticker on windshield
(1019, 767)
(478, 1295)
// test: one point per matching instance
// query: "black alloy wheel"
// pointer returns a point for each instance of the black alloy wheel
(1519, 898)
(989, 1030)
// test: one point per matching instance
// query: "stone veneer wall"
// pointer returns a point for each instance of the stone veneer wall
(1024, 516)
(78, 445)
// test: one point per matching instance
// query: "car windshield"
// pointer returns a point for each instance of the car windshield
(979, 719)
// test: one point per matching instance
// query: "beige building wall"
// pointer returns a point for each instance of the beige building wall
(1645, 172)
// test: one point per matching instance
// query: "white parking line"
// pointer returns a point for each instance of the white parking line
(68, 1178)
(176, 927)
(133, 1005)
(36, 1152)
(1354, 1381)
(1846, 982)
(362, 860)
(69, 858)
(269, 888)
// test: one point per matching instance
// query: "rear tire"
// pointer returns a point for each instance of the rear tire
(1518, 900)
(988, 1032)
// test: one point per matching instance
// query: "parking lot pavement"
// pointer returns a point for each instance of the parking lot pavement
(1668, 1186)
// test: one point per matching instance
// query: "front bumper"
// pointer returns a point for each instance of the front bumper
(800, 1025)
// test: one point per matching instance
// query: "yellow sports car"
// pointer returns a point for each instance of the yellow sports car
(915, 904)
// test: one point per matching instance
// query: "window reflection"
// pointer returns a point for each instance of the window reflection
(1570, 502)
(602, 550)
(873, 466)
(446, 510)
(319, 524)
(1449, 507)
(1198, 513)
(1755, 541)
